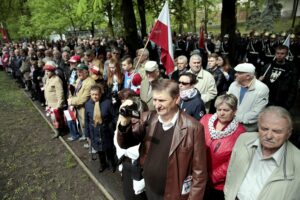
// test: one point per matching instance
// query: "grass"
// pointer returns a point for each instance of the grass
(11, 95)
(70, 162)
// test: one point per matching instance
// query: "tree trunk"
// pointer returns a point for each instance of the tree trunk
(129, 25)
(180, 15)
(142, 13)
(109, 15)
(92, 29)
(205, 15)
(73, 25)
(228, 25)
(194, 16)
(294, 12)
(247, 10)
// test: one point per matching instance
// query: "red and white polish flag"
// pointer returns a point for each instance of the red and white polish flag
(161, 36)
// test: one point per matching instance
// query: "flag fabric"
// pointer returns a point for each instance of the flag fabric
(201, 37)
(69, 115)
(287, 41)
(4, 34)
(161, 36)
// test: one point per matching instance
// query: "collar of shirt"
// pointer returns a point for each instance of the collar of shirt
(167, 126)
(277, 156)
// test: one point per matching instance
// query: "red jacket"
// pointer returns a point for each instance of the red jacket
(218, 153)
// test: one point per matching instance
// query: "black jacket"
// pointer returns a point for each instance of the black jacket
(219, 78)
(282, 82)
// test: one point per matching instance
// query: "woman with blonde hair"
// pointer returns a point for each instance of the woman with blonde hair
(221, 132)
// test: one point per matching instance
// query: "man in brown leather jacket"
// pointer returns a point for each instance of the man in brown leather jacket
(172, 151)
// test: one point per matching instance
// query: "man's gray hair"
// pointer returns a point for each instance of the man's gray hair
(195, 56)
(280, 112)
(146, 52)
(182, 58)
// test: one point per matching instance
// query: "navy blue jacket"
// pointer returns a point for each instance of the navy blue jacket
(193, 106)
(102, 135)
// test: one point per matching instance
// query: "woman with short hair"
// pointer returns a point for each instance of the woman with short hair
(190, 97)
(221, 132)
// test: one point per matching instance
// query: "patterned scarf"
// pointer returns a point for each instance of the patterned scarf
(97, 114)
(215, 134)
(188, 94)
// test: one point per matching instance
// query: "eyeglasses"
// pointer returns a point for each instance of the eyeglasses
(183, 83)
(116, 53)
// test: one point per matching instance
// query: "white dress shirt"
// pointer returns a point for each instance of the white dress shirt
(259, 172)
(167, 126)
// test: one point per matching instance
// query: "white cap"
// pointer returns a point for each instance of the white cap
(151, 66)
(245, 67)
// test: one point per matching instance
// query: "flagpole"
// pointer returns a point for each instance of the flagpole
(269, 67)
(137, 64)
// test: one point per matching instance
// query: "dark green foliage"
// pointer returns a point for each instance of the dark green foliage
(266, 17)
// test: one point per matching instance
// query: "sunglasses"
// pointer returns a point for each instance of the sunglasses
(183, 83)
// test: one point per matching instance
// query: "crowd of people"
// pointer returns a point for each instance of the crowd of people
(207, 131)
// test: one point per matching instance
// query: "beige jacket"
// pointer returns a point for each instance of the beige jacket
(83, 95)
(54, 93)
(284, 182)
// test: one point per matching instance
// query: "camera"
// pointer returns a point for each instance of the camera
(130, 111)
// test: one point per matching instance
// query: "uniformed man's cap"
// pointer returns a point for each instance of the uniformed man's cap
(283, 34)
(273, 36)
(256, 33)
